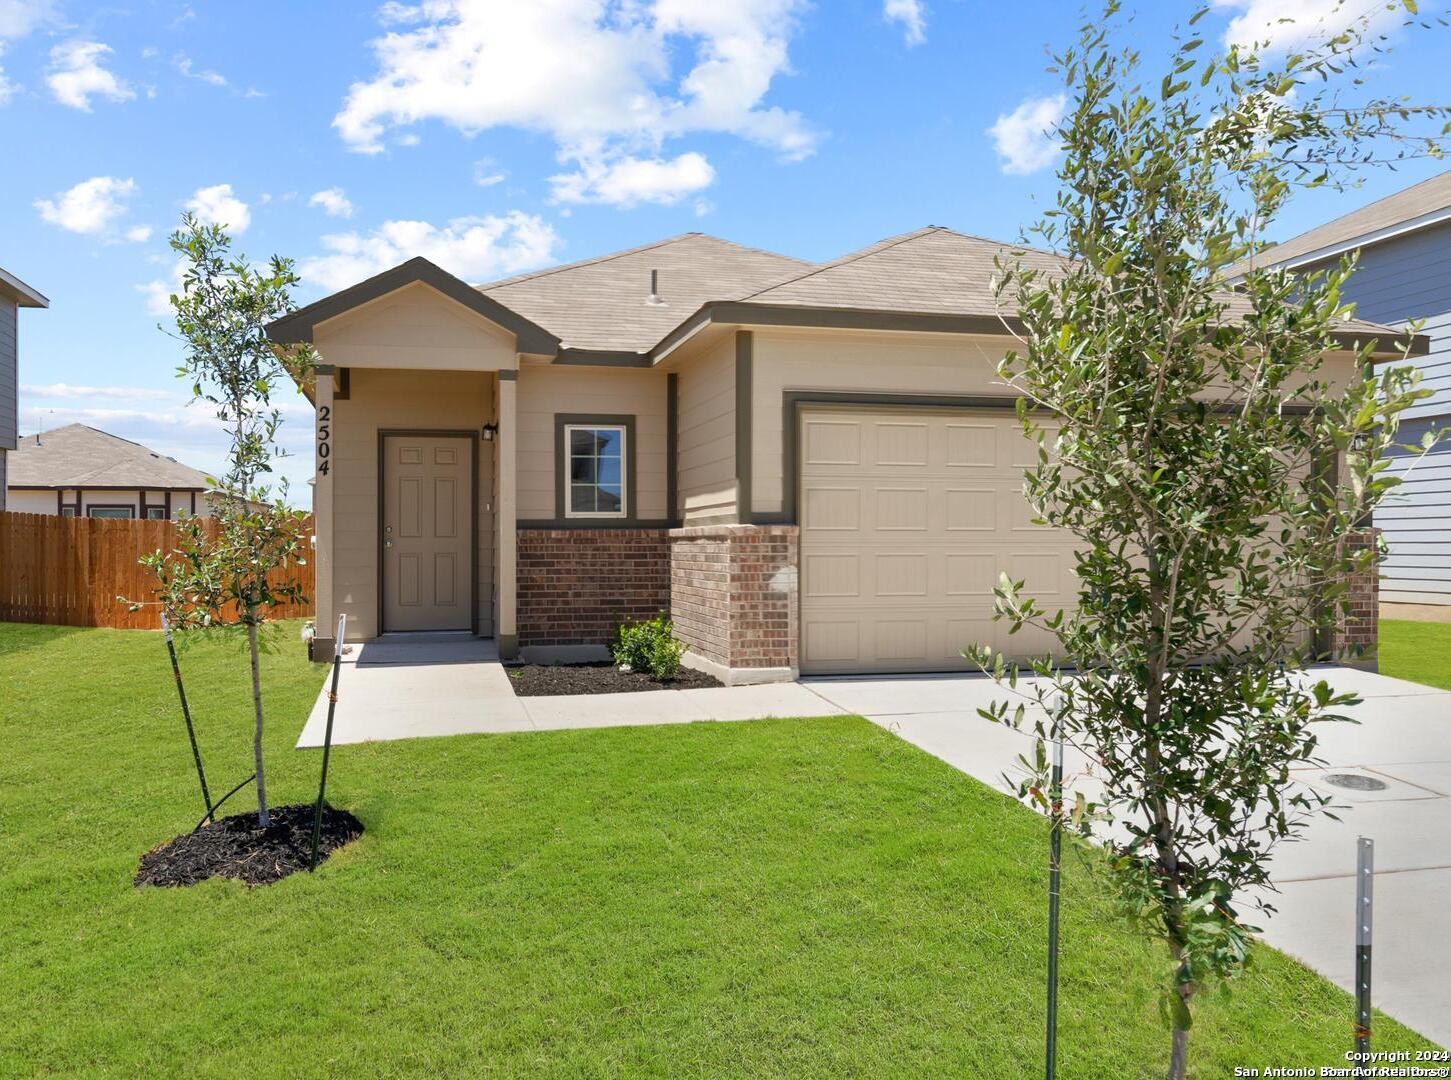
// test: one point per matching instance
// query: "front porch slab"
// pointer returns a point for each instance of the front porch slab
(415, 689)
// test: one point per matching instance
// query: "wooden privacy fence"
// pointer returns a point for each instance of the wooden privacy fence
(69, 571)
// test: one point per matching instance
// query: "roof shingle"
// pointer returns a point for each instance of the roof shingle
(79, 456)
(602, 303)
(1403, 207)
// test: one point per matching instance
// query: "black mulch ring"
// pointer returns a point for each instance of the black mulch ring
(548, 680)
(235, 847)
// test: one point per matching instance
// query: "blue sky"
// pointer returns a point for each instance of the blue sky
(496, 137)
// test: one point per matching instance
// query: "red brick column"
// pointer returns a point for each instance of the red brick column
(1358, 628)
(733, 597)
(576, 585)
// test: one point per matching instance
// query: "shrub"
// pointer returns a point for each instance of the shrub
(648, 646)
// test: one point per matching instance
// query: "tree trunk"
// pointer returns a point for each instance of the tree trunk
(1179, 1057)
(263, 819)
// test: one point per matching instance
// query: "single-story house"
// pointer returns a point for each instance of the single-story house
(812, 467)
(79, 471)
(1403, 276)
(14, 295)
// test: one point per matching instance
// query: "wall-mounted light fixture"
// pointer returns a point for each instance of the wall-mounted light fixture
(490, 430)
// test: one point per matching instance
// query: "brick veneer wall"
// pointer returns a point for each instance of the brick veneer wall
(733, 593)
(1358, 627)
(576, 585)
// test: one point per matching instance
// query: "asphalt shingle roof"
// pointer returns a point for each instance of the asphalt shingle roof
(932, 270)
(1416, 201)
(81, 456)
(601, 303)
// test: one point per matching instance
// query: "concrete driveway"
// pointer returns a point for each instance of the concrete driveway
(1403, 741)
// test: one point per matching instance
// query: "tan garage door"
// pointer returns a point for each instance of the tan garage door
(907, 519)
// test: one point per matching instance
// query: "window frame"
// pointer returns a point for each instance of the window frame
(130, 514)
(565, 423)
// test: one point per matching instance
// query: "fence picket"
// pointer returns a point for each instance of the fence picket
(69, 571)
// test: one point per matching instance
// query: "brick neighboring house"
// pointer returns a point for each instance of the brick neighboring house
(80, 471)
(14, 295)
(812, 467)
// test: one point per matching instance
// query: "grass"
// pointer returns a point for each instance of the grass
(1418, 651)
(776, 898)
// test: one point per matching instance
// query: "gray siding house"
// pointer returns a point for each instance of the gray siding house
(14, 295)
(1404, 275)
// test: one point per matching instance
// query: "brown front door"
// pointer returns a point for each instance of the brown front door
(428, 579)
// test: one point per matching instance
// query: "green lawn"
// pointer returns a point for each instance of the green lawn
(1418, 651)
(777, 898)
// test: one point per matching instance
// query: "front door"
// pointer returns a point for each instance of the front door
(428, 579)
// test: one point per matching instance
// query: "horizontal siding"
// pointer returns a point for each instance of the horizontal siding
(1415, 520)
(707, 399)
(1409, 279)
(8, 378)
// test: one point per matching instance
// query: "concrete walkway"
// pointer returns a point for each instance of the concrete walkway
(1403, 740)
(436, 684)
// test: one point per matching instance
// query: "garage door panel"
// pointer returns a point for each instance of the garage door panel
(908, 521)
(970, 445)
(828, 442)
(831, 509)
(970, 509)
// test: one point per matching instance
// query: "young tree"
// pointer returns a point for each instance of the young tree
(238, 575)
(1212, 466)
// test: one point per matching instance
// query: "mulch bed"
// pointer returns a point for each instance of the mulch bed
(235, 847)
(549, 680)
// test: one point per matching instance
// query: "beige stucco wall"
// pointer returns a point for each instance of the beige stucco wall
(549, 389)
(707, 434)
(886, 363)
(417, 400)
(415, 328)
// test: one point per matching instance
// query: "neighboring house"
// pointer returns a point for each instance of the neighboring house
(77, 471)
(811, 467)
(1404, 275)
(14, 295)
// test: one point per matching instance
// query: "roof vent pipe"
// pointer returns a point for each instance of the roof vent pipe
(654, 297)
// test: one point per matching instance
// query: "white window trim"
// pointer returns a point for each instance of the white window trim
(624, 511)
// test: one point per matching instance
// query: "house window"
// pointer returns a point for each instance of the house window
(67, 511)
(111, 511)
(156, 513)
(595, 472)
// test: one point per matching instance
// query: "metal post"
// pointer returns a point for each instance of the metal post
(1364, 889)
(196, 753)
(1055, 863)
(327, 741)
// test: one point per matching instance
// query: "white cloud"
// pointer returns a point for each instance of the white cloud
(20, 17)
(1024, 138)
(1286, 24)
(912, 14)
(216, 205)
(333, 201)
(628, 181)
(602, 80)
(92, 207)
(473, 248)
(487, 174)
(157, 292)
(68, 390)
(185, 65)
(75, 75)
(138, 234)
(7, 88)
